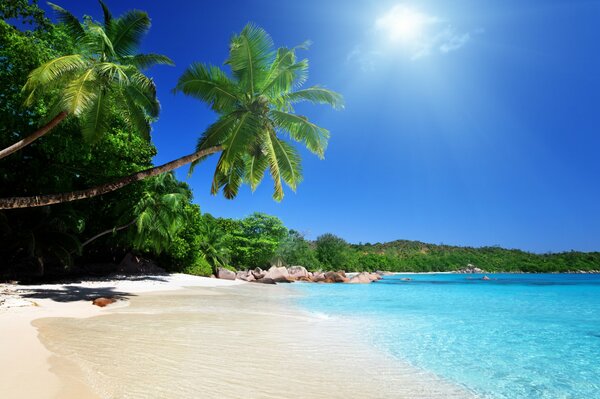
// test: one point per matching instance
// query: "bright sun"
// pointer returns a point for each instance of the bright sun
(404, 23)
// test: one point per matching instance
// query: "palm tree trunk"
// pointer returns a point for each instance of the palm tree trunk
(105, 232)
(34, 136)
(42, 200)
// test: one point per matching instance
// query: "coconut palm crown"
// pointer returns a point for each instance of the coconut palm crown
(105, 71)
(256, 114)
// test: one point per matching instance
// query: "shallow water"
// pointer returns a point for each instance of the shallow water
(515, 336)
(239, 342)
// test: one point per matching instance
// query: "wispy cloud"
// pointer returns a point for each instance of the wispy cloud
(444, 41)
(410, 33)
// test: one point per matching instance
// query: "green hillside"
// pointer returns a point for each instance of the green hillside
(404, 255)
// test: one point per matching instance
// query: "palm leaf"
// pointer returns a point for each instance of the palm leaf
(80, 93)
(127, 31)
(256, 164)
(107, 16)
(113, 73)
(288, 161)
(285, 73)
(142, 92)
(210, 84)
(249, 56)
(46, 76)
(145, 61)
(240, 137)
(315, 95)
(228, 177)
(94, 122)
(273, 166)
(74, 28)
(302, 130)
(216, 134)
(133, 115)
(97, 42)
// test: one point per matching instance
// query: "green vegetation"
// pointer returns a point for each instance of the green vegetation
(101, 72)
(255, 108)
(83, 82)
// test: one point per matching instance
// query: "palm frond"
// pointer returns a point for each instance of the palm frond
(288, 161)
(256, 164)
(145, 61)
(228, 176)
(142, 92)
(46, 76)
(273, 166)
(210, 84)
(97, 41)
(302, 130)
(216, 134)
(127, 31)
(107, 16)
(134, 115)
(285, 73)
(315, 95)
(80, 93)
(240, 138)
(250, 53)
(74, 28)
(113, 73)
(94, 119)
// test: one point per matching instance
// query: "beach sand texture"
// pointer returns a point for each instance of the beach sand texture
(246, 341)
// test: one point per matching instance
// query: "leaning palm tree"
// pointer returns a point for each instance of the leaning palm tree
(256, 116)
(157, 216)
(105, 72)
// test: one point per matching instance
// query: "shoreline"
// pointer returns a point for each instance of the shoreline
(26, 358)
(35, 358)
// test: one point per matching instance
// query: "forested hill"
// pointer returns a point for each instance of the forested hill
(405, 255)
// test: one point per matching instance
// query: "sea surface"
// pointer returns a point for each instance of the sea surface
(513, 336)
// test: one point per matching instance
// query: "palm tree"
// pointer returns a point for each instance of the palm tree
(212, 245)
(255, 107)
(105, 72)
(158, 215)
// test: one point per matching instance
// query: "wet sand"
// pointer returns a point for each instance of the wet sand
(247, 341)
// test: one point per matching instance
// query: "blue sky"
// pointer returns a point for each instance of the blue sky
(467, 122)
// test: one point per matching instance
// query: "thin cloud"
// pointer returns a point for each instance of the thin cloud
(410, 33)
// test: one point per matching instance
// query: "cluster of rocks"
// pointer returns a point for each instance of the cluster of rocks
(470, 269)
(296, 273)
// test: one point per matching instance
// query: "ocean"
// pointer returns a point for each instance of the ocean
(513, 336)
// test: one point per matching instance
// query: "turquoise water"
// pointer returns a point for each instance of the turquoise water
(514, 336)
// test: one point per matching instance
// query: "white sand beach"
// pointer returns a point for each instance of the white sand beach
(24, 357)
(185, 336)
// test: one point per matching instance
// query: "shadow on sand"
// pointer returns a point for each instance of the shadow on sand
(72, 293)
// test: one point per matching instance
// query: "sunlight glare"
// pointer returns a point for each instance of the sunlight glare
(403, 23)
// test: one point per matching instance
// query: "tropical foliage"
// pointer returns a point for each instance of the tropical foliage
(102, 71)
(256, 114)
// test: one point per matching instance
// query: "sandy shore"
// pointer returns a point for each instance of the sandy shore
(25, 369)
(207, 340)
